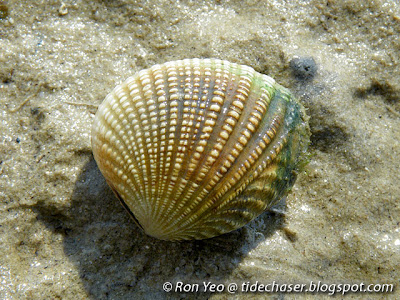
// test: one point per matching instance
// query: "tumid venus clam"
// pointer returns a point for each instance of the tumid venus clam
(196, 148)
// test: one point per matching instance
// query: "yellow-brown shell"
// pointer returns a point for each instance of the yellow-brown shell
(199, 147)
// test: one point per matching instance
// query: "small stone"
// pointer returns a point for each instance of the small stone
(63, 10)
(303, 68)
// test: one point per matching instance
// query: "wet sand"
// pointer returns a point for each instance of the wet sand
(65, 236)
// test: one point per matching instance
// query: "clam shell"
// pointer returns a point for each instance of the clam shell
(199, 147)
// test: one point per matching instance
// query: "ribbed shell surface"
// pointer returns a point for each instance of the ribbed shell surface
(198, 147)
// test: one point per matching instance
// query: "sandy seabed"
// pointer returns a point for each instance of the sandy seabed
(65, 236)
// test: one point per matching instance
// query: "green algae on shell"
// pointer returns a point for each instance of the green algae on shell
(196, 148)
